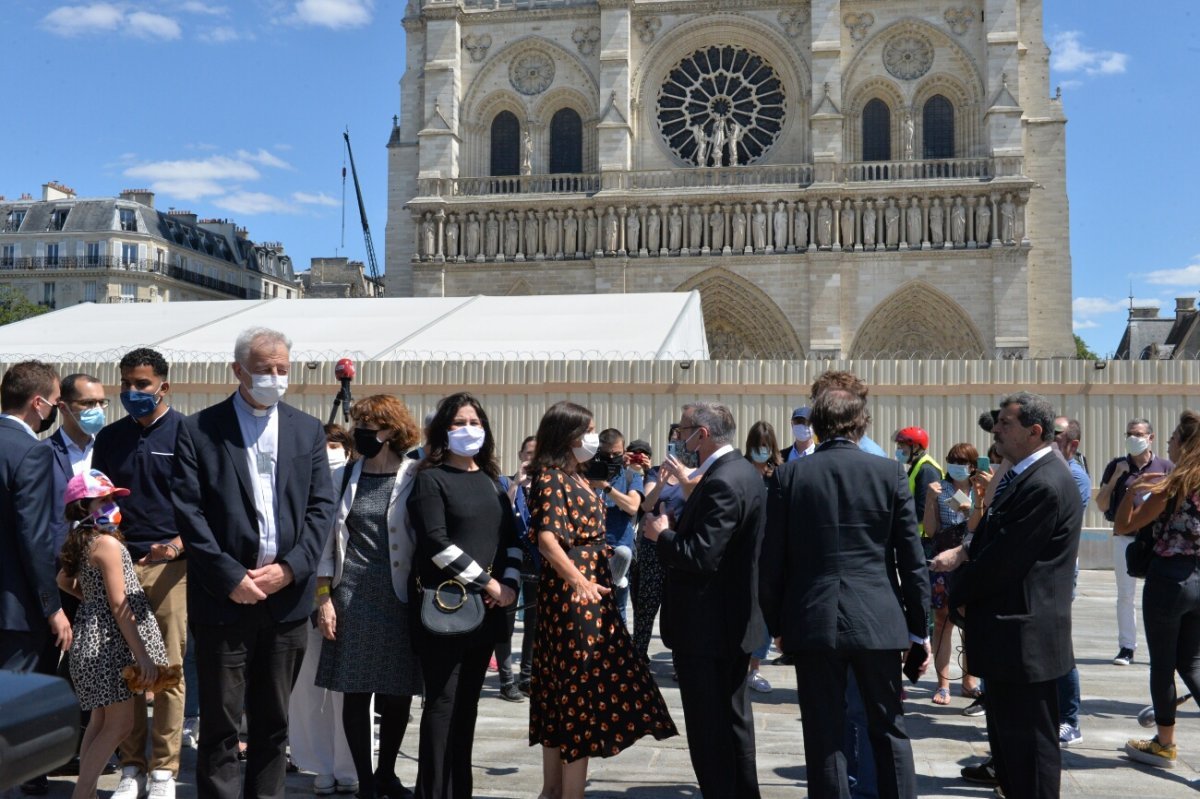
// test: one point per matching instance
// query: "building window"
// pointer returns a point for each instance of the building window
(89, 291)
(566, 142)
(58, 218)
(289, 294)
(48, 294)
(128, 220)
(274, 291)
(938, 128)
(92, 256)
(129, 291)
(506, 144)
(12, 223)
(51, 255)
(8, 255)
(129, 254)
(877, 131)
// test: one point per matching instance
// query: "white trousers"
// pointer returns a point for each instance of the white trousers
(315, 734)
(1126, 591)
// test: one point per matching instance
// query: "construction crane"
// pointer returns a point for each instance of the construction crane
(372, 264)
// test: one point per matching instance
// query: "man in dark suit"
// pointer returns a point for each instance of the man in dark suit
(710, 618)
(844, 587)
(254, 504)
(31, 614)
(1016, 586)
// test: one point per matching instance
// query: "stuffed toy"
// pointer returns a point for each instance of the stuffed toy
(168, 677)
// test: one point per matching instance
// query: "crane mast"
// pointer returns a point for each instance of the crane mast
(372, 264)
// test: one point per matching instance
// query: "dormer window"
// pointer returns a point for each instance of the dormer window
(58, 218)
(128, 220)
(12, 223)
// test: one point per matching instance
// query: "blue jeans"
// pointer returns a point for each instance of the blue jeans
(762, 652)
(191, 696)
(860, 760)
(1068, 698)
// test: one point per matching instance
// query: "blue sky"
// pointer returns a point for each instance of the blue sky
(235, 108)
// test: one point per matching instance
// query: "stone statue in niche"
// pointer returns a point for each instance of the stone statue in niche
(491, 240)
(591, 231)
(739, 229)
(531, 234)
(736, 132)
(526, 153)
(779, 225)
(983, 222)
(891, 225)
(937, 223)
(1008, 220)
(759, 228)
(551, 235)
(914, 224)
(847, 225)
(801, 226)
(653, 226)
(701, 143)
(718, 142)
(452, 236)
(571, 233)
(674, 230)
(428, 245)
(611, 232)
(716, 228)
(512, 234)
(869, 221)
(633, 228)
(909, 135)
(824, 225)
(958, 223)
(696, 229)
(472, 235)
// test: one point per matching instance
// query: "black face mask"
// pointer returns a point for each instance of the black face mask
(48, 422)
(367, 442)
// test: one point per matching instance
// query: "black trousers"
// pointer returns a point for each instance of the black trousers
(720, 724)
(1022, 726)
(821, 684)
(251, 665)
(453, 668)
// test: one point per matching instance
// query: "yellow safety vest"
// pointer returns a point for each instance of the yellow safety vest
(912, 486)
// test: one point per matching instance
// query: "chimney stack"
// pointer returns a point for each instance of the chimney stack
(141, 196)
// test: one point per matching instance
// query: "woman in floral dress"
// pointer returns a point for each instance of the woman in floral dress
(592, 696)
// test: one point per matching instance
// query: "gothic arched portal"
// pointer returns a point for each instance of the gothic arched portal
(741, 320)
(918, 321)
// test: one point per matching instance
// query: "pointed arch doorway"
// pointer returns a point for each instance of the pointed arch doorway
(742, 322)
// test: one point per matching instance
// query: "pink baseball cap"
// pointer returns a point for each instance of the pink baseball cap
(91, 484)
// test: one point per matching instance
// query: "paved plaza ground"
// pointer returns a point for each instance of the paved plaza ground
(944, 740)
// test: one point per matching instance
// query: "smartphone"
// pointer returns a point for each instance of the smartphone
(983, 463)
(912, 664)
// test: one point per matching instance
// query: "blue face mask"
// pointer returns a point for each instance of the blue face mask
(902, 456)
(760, 454)
(139, 403)
(91, 421)
(958, 471)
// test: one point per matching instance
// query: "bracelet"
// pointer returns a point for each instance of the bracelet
(322, 590)
(174, 549)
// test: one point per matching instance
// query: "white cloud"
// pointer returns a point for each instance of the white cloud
(145, 25)
(263, 158)
(1096, 306)
(1084, 324)
(335, 14)
(1069, 54)
(79, 20)
(320, 198)
(1186, 277)
(196, 7)
(223, 34)
(251, 203)
(192, 179)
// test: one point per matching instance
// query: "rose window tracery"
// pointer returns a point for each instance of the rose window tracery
(532, 72)
(721, 106)
(908, 57)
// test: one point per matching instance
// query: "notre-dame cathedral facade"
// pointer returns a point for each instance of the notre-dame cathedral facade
(837, 178)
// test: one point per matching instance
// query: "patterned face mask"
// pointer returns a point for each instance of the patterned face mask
(107, 516)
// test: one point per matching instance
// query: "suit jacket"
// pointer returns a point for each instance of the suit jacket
(215, 510)
(57, 443)
(842, 565)
(1017, 585)
(710, 605)
(28, 593)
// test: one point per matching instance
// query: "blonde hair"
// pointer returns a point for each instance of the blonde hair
(1184, 479)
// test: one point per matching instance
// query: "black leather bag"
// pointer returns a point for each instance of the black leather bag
(1140, 552)
(451, 609)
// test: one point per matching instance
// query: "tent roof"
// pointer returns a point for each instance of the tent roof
(661, 326)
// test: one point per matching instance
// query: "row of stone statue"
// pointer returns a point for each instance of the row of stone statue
(782, 226)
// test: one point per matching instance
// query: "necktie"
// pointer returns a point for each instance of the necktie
(1008, 477)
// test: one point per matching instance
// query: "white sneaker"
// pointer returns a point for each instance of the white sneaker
(324, 784)
(191, 732)
(132, 784)
(162, 785)
(758, 683)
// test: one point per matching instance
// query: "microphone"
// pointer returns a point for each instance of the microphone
(987, 420)
(344, 370)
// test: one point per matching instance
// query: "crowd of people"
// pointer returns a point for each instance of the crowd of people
(314, 579)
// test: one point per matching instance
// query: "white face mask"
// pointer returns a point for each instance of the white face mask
(466, 440)
(267, 389)
(1136, 445)
(589, 446)
(337, 457)
(802, 432)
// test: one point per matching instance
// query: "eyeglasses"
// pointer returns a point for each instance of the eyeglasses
(92, 403)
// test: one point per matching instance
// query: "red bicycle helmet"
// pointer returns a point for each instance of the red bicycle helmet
(913, 436)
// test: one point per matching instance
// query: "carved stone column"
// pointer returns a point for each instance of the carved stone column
(995, 201)
(540, 255)
(1022, 233)
(971, 244)
(704, 233)
(810, 219)
(623, 212)
(858, 222)
(440, 222)
(925, 224)
(837, 224)
(643, 248)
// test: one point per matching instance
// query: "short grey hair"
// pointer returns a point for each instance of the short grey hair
(1033, 409)
(255, 335)
(1139, 420)
(716, 418)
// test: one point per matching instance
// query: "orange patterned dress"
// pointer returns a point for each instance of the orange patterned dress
(592, 696)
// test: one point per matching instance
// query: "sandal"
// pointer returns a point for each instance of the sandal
(941, 696)
(971, 693)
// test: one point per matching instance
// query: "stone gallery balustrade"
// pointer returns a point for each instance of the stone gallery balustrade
(756, 227)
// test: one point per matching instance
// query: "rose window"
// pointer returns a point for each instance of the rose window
(908, 57)
(721, 106)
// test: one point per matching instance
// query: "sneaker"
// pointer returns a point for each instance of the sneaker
(1124, 657)
(132, 784)
(510, 693)
(191, 732)
(1069, 735)
(1151, 752)
(783, 660)
(161, 785)
(976, 708)
(524, 686)
(757, 682)
(982, 773)
(325, 784)
(346, 786)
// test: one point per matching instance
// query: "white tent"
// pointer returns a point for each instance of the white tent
(666, 326)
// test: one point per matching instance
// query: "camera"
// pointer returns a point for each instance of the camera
(605, 466)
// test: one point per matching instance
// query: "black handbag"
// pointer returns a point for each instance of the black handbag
(451, 609)
(1140, 552)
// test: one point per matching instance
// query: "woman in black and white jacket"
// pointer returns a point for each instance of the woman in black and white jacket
(363, 592)
(466, 533)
